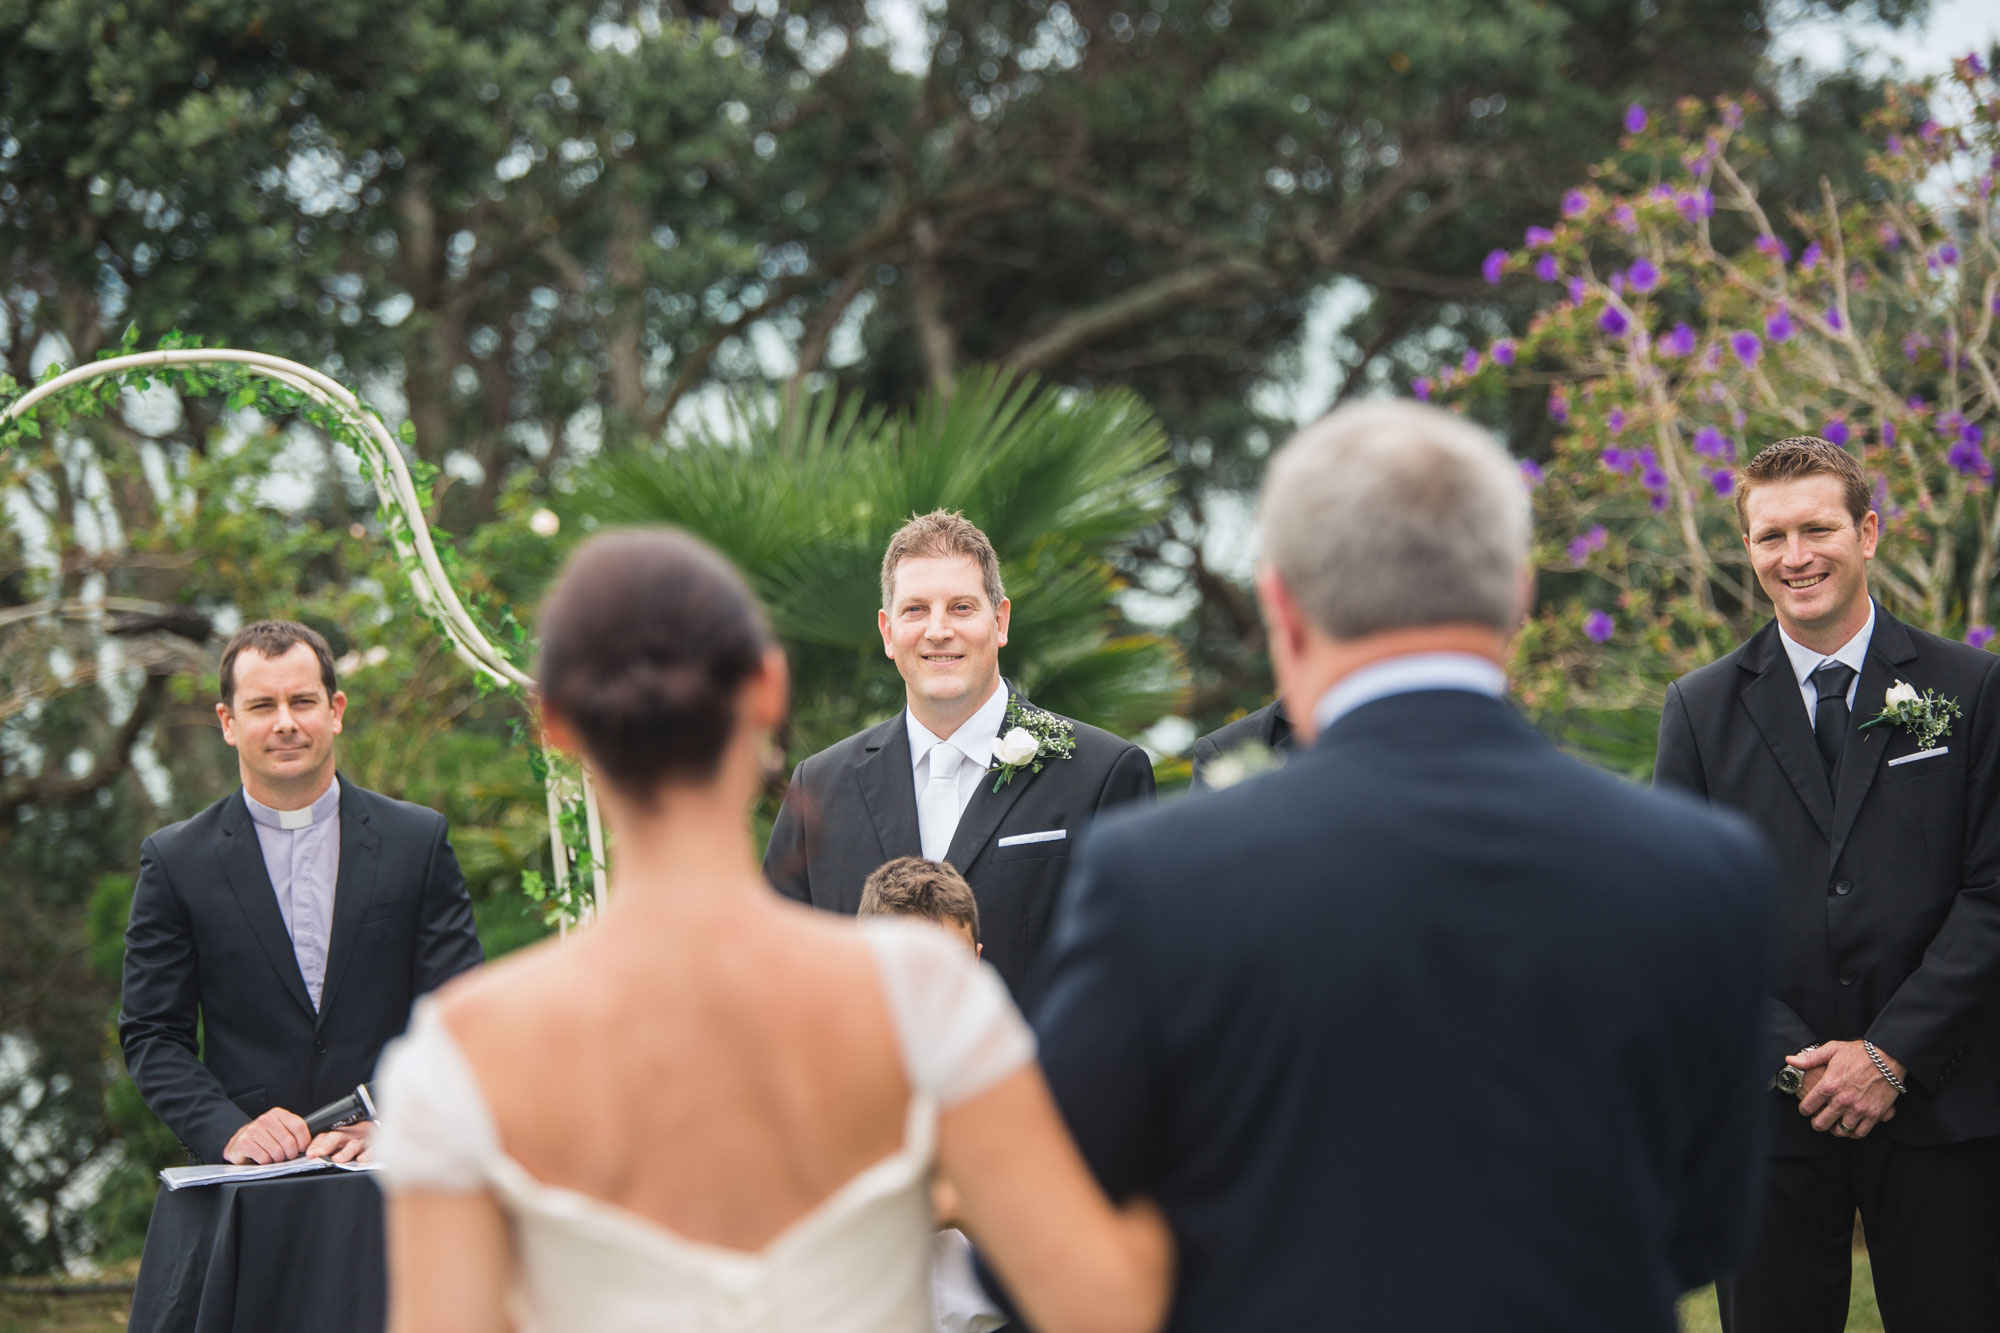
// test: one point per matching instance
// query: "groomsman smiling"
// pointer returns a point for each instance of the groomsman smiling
(970, 772)
(1869, 752)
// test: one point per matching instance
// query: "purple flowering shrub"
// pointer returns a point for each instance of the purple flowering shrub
(1683, 327)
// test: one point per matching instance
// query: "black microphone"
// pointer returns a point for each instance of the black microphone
(355, 1106)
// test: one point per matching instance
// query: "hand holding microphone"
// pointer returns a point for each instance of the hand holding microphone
(340, 1129)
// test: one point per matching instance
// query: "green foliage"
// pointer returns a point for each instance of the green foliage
(805, 501)
(1699, 324)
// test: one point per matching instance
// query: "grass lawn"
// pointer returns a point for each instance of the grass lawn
(1698, 1311)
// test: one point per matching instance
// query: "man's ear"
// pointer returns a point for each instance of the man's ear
(557, 731)
(888, 644)
(337, 709)
(228, 725)
(1001, 615)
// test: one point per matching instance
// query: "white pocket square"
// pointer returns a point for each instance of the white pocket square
(1921, 754)
(1046, 835)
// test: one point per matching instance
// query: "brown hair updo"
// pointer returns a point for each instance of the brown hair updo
(647, 638)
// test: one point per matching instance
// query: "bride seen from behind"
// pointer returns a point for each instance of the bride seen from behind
(716, 1108)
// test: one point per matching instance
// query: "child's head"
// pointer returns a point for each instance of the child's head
(912, 886)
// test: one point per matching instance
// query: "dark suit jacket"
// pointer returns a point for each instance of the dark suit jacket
(215, 1021)
(853, 806)
(1432, 1028)
(1890, 925)
(1268, 727)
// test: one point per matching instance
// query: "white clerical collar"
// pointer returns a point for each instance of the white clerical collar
(974, 737)
(1404, 675)
(325, 806)
(1852, 653)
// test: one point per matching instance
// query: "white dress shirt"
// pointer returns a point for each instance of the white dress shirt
(302, 853)
(1805, 661)
(974, 743)
(1406, 675)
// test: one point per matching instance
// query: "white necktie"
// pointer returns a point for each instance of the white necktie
(937, 803)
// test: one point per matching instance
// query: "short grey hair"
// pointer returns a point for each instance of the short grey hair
(1394, 515)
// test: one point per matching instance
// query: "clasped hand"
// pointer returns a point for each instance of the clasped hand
(279, 1136)
(1845, 1094)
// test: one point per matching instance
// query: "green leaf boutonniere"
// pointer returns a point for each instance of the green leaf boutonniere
(1926, 716)
(1029, 738)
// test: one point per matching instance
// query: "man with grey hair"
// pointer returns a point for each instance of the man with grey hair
(1433, 1027)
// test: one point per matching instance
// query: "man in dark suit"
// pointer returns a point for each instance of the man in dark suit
(1266, 733)
(278, 938)
(935, 780)
(1889, 941)
(1433, 1027)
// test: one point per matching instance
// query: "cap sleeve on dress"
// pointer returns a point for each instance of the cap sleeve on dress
(958, 1026)
(435, 1130)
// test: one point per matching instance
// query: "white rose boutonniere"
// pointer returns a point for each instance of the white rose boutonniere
(1031, 738)
(1017, 747)
(1925, 716)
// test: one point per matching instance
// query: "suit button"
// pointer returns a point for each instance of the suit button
(319, 1045)
(1846, 977)
(1843, 888)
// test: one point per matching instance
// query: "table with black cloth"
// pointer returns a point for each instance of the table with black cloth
(299, 1254)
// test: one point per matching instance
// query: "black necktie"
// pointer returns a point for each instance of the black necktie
(1830, 720)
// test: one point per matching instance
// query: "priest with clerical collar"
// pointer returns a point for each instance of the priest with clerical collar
(279, 938)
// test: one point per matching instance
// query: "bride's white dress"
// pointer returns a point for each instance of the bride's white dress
(858, 1262)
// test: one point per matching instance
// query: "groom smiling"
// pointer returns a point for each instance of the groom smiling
(969, 772)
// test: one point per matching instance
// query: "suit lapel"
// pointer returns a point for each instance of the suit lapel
(1889, 648)
(353, 888)
(983, 815)
(1778, 709)
(888, 789)
(242, 858)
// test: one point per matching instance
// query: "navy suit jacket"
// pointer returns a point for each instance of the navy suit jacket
(1432, 1028)
(215, 1019)
(1890, 920)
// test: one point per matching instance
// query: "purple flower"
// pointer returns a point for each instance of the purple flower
(1894, 144)
(1947, 253)
(1928, 131)
(1597, 627)
(1778, 326)
(1471, 363)
(1642, 275)
(1531, 472)
(1833, 319)
(1888, 437)
(1661, 193)
(1890, 237)
(1723, 480)
(1658, 504)
(1746, 345)
(1711, 443)
(1577, 290)
(1732, 115)
(1914, 345)
(1613, 321)
(1558, 407)
(1575, 204)
(1579, 553)
(1616, 459)
(1625, 219)
(1547, 269)
(1969, 459)
(1503, 353)
(1834, 431)
(1972, 435)
(1495, 266)
(1771, 245)
(1697, 204)
(1597, 538)
(1974, 64)
(1680, 342)
(1979, 635)
(1538, 238)
(1616, 421)
(1653, 479)
(1810, 259)
(1421, 387)
(1635, 118)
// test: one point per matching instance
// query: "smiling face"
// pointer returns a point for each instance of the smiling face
(1810, 557)
(945, 637)
(282, 725)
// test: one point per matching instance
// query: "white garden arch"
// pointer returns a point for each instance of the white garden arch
(397, 492)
